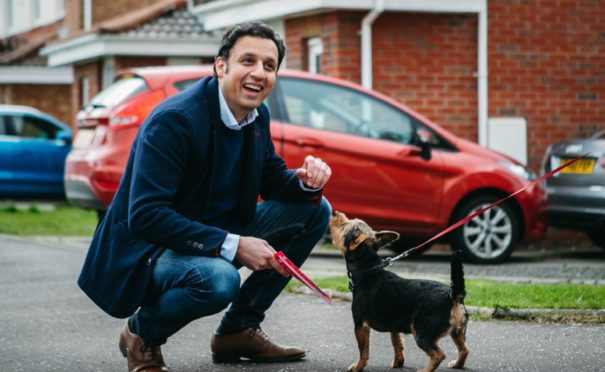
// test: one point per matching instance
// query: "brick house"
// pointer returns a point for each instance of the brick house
(25, 78)
(513, 75)
(106, 36)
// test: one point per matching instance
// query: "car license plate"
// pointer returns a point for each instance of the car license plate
(84, 137)
(581, 166)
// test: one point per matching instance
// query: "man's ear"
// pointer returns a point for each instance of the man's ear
(386, 237)
(220, 66)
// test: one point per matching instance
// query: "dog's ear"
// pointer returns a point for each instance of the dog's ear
(354, 238)
(386, 237)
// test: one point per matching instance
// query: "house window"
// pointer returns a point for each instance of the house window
(315, 49)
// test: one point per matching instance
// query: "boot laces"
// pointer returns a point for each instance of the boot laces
(258, 331)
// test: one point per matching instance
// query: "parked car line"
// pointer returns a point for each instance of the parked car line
(391, 166)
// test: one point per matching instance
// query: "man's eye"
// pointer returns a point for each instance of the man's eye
(269, 66)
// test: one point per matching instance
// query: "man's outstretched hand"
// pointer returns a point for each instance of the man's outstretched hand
(256, 254)
(314, 172)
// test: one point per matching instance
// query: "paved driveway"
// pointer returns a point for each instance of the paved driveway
(47, 324)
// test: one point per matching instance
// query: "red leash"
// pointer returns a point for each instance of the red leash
(295, 272)
(408, 252)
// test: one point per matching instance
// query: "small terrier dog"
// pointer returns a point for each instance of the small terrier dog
(386, 302)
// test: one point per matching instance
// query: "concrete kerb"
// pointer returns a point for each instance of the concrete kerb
(585, 316)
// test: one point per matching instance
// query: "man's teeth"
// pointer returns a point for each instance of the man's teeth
(255, 88)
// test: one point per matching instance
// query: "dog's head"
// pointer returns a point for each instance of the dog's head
(350, 236)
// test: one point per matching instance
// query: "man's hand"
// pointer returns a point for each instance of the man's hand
(314, 172)
(256, 254)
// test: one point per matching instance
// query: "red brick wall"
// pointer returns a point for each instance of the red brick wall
(428, 62)
(340, 37)
(53, 99)
(73, 16)
(547, 63)
(104, 10)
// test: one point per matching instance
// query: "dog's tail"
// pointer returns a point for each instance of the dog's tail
(457, 273)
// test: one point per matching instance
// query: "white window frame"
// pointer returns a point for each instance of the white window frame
(314, 52)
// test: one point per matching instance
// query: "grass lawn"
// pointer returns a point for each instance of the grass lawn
(492, 294)
(63, 220)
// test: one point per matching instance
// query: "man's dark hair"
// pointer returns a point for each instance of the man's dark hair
(256, 29)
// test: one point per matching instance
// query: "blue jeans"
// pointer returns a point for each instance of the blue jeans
(184, 288)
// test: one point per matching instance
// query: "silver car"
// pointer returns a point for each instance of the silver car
(576, 195)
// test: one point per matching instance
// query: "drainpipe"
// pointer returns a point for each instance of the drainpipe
(87, 15)
(482, 77)
(366, 43)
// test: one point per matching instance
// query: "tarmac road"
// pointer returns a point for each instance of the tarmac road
(48, 324)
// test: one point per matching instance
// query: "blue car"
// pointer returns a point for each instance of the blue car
(33, 147)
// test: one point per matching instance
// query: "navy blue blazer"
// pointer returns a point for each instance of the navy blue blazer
(164, 193)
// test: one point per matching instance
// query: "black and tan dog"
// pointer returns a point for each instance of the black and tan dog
(386, 302)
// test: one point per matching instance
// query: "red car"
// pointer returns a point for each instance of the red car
(391, 166)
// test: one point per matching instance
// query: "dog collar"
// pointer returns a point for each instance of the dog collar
(380, 266)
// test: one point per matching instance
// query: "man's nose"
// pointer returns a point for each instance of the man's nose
(259, 69)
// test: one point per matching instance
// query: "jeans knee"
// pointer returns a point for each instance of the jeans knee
(224, 287)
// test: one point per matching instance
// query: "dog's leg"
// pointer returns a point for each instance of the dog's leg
(436, 356)
(459, 338)
(362, 333)
(459, 321)
(428, 343)
(399, 357)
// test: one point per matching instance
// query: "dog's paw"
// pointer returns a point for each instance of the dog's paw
(455, 364)
(355, 367)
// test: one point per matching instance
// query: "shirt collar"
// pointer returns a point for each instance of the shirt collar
(228, 118)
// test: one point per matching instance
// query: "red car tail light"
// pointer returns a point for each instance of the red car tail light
(134, 111)
(106, 182)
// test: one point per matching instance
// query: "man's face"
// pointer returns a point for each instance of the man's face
(248, 75)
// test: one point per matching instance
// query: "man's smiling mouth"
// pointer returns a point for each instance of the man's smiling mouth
(253, 87)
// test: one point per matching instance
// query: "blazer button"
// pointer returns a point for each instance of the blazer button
(189, 242)
(149, 262)
(194, 244)
(200, 246)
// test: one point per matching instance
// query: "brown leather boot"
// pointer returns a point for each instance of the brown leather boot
(252, 344)
(141, 357)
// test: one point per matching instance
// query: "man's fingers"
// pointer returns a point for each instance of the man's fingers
(277, 266)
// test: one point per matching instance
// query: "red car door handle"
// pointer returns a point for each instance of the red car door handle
(308, 142)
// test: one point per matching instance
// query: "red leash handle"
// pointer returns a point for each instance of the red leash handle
(475, 214)
(289, 266)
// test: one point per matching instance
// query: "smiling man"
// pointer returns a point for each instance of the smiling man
(185, 216)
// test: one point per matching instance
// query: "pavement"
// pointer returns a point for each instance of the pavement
(48, 324)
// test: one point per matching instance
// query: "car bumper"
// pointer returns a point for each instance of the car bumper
(576, 208)
(80, 194)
